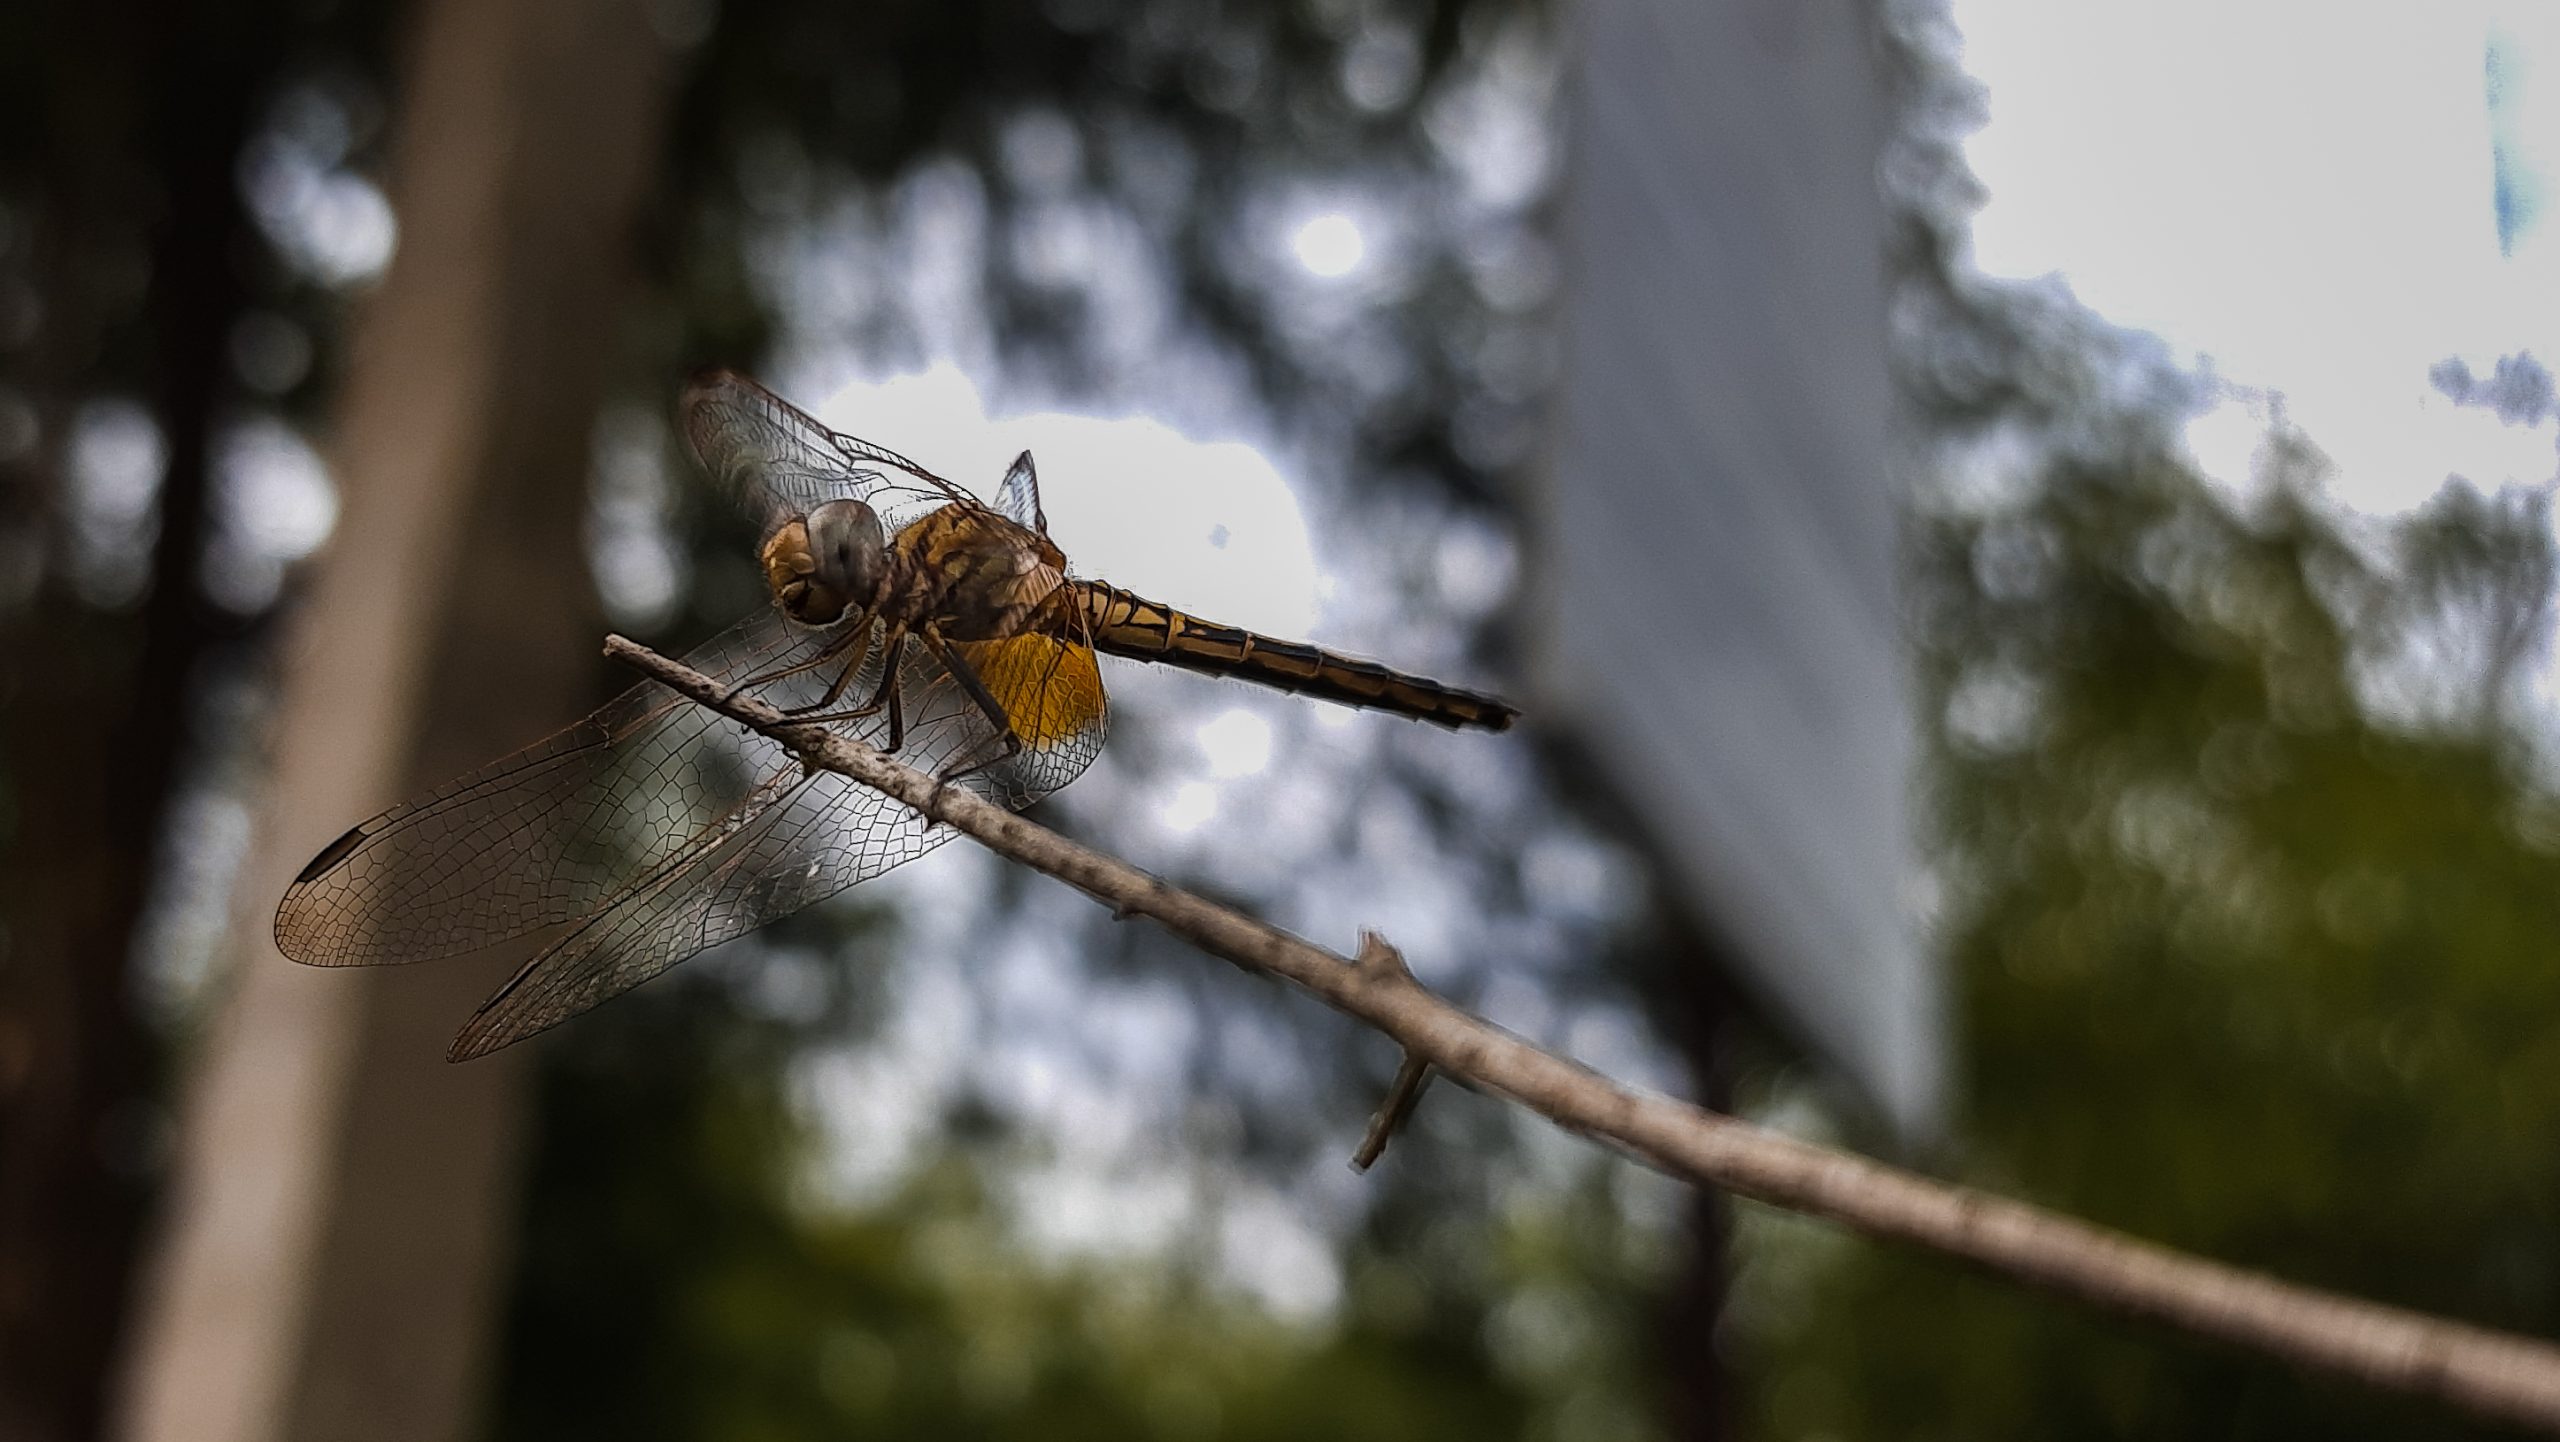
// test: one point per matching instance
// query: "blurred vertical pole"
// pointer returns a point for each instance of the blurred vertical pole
(335, 1228)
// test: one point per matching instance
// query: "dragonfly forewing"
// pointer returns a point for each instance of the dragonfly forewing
(657, 828)
(539, 838)
(779, 464)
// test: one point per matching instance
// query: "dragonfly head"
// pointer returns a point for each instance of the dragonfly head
(851, 551)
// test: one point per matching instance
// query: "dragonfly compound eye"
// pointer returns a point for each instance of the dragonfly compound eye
(851, 550)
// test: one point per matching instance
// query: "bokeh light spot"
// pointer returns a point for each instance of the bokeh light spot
(1330, 246)
(1238, 744)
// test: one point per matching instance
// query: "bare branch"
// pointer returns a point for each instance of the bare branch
(1406, 1092)
(1402, 1098)
(2491, 1374)
(1412, 1075)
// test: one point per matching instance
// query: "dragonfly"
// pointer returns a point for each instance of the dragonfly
(905, 614)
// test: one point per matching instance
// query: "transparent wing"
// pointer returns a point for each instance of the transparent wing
(776, 462)
(541, 837)
(1019, 497)
(656, 828)
(803, 838)
(806, 837)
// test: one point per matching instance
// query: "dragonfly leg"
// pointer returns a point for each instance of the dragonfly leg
(897, 720)
(1008, 740)
(844, 678)
(828, 652)
(892, 650)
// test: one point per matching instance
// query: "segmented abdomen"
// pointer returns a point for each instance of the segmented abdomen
(1127, 625)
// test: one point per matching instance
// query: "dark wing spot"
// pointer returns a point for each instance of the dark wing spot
(331, 854)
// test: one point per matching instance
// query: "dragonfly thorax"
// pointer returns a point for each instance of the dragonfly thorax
(831, 561)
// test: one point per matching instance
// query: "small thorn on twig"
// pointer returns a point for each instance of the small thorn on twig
(1380, 958)
(1402, 1097)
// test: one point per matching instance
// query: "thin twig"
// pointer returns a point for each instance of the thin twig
(1412, 1074)
(1402, 1098)
(2491, 1374)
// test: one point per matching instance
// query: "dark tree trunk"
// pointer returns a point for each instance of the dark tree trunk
(1695, 1001)
(97, 732)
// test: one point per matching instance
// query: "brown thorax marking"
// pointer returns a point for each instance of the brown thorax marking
(971, 575)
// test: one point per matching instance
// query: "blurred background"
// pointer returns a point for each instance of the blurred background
(2022, 532)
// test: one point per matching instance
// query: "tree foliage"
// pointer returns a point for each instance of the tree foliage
(2245, 882)
(682, 1277)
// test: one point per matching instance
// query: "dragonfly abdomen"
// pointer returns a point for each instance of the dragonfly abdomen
(1128, 625)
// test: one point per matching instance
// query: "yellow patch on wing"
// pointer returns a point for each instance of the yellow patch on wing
(1050, 688)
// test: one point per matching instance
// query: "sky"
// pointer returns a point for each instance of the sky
(2302, 196)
